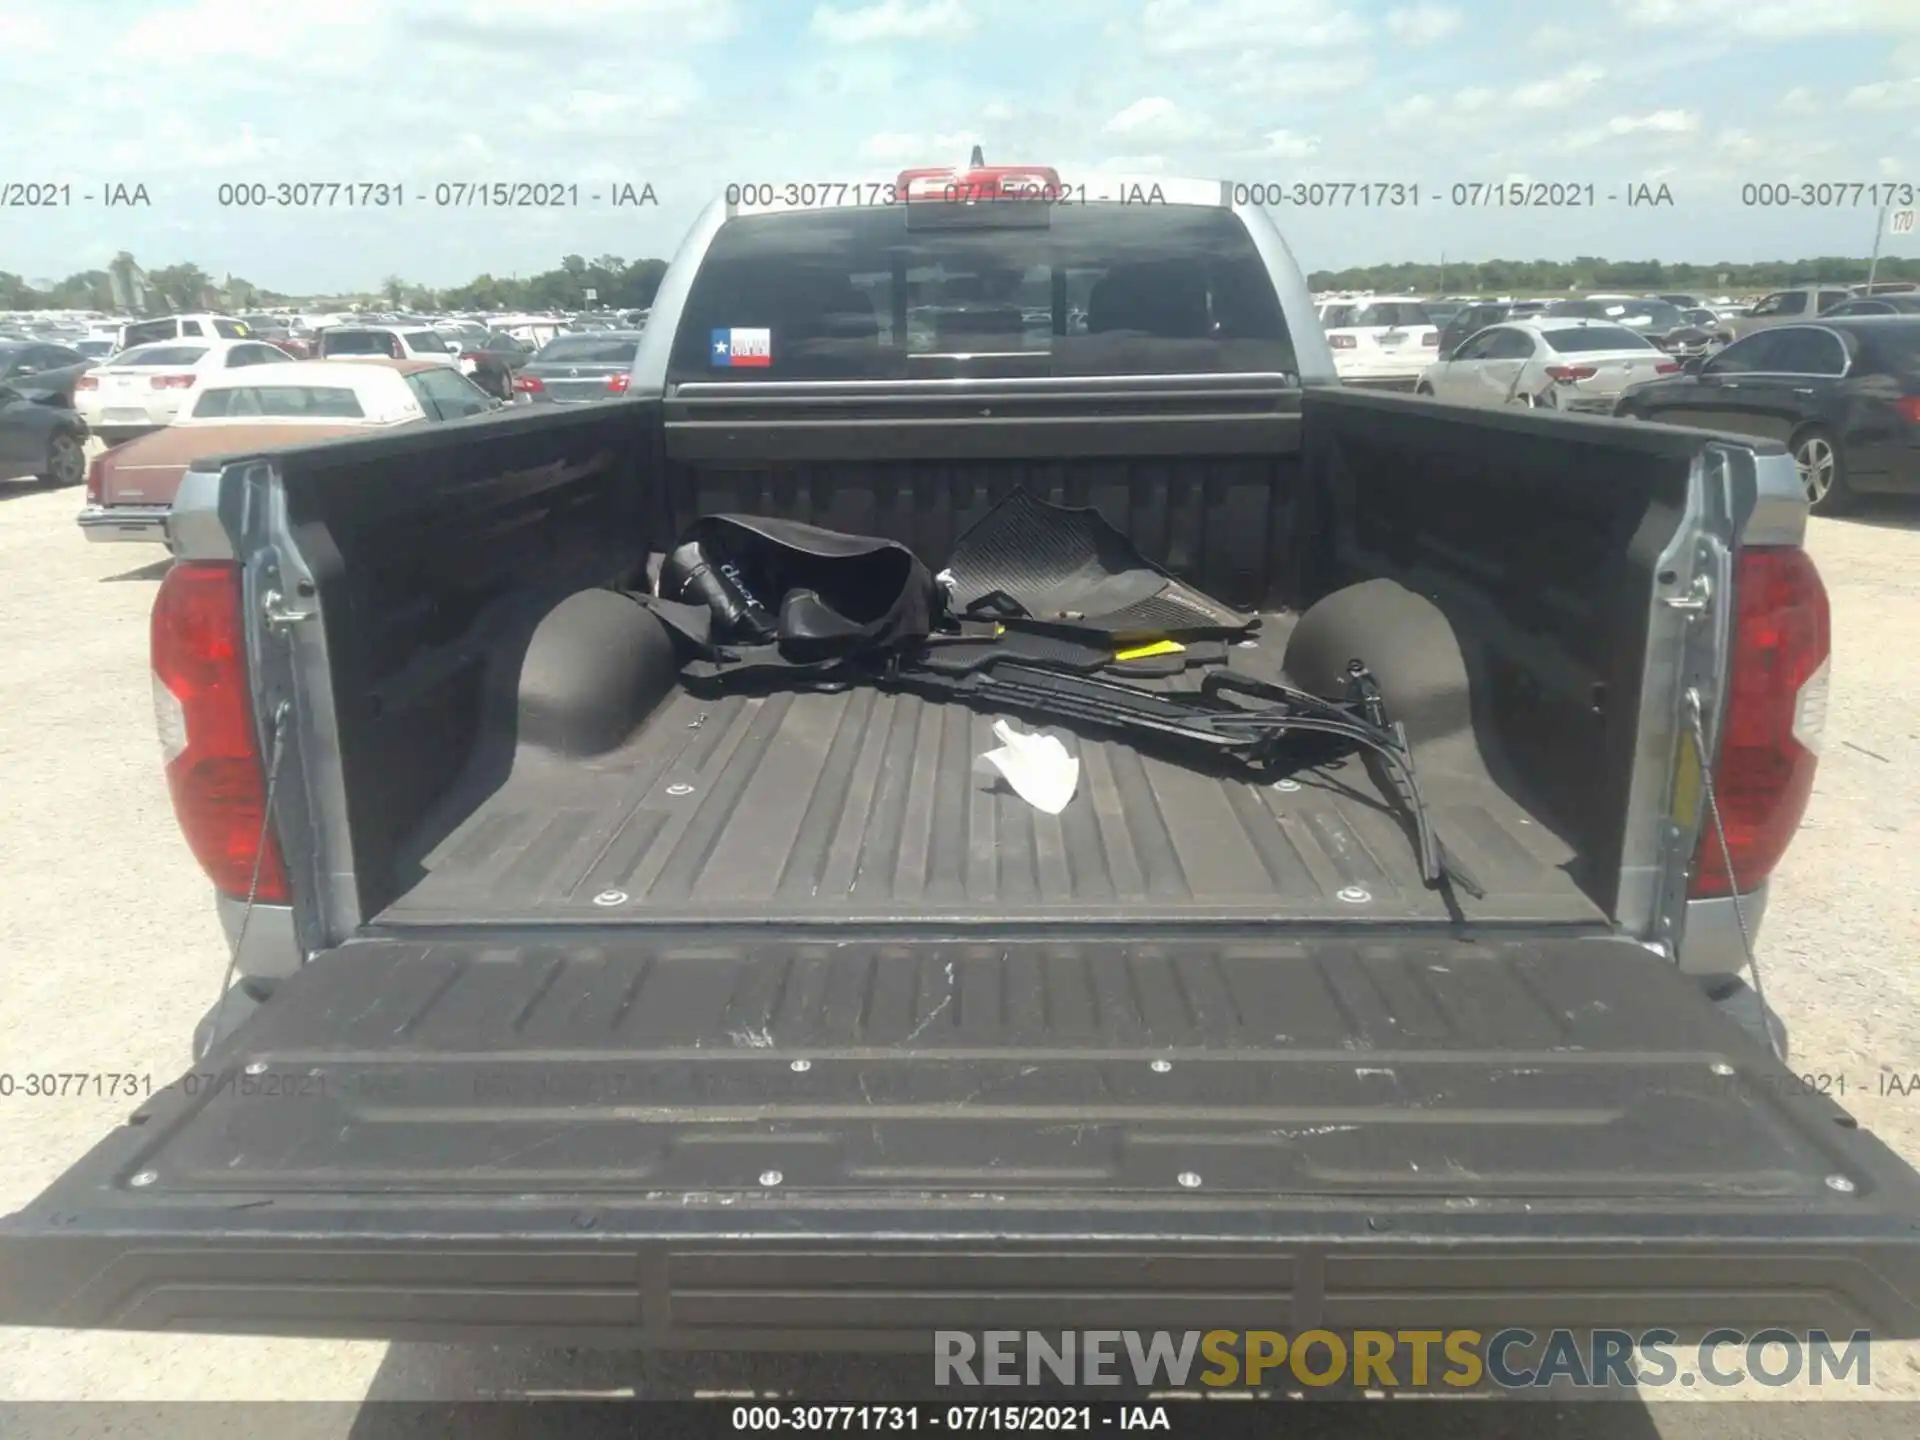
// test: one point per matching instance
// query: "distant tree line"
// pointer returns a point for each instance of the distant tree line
(616, 284)
(169, 288)
(1589, 272)
(620, 284)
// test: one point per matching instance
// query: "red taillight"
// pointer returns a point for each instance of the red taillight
(205, 717)
(1666, 367)
(1909, 408)
(528, 384)
(1776, 710)
(1343, 342)
(172, 382)
(618, 383)
(96, 479)
(1567, 374)
(87, 382)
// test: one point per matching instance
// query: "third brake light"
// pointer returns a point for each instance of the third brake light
(978, 182)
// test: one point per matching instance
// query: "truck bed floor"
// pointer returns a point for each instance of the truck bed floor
(863, 806)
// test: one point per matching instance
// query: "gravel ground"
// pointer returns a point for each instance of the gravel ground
(111, 954)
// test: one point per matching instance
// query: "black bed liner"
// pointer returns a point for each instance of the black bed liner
(722, 1139)
(869, 806)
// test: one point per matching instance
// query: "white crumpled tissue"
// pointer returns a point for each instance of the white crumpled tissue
(1038, 767)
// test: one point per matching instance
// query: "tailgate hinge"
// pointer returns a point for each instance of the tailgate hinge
(1698, 597)
(279, 614)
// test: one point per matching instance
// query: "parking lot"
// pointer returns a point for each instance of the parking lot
(112, 953)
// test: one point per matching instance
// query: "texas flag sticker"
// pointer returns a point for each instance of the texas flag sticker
(742, 347)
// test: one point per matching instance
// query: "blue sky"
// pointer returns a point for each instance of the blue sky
(185, 95)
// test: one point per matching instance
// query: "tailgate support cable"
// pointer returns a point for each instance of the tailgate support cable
(281, 715)
(1696, 727)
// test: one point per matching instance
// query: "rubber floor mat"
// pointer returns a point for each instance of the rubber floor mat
(1069, 568)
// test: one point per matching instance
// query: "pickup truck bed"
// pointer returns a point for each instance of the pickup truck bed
(870, 1049)
(867, 806)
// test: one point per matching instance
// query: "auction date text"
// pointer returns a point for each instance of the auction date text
(444, 195)
(975, 1418)
(1462, 194)
(59, 194)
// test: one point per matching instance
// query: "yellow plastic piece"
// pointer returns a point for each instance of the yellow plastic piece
(1158, 647)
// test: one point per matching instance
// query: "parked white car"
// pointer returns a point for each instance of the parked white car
(1548, 363)
(386, 342)
(180, 327)
(308, 392)
(143, 389)
(1381, 341)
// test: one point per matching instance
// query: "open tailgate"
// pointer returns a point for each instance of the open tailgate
(724, 1141)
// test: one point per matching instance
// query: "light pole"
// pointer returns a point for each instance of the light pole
(1879, 230)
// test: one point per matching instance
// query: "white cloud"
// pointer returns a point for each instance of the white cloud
(1800, 101)
(1555, 37)
(1265, 81)
(1285, 145)
(1651, 12)
(1158, 119)
(26, 35)
(891, 145)
(893, 20)
(1884, 95)
(1423, 24)
(910, 148)
(1558, 89)
(1774, 19)
(1472, 101)
(1133, 164)
(1662, 122)
(581, 113)
(212, 30)
(580, 28)
(1414, 110)
(246, 148)
(1172, 27)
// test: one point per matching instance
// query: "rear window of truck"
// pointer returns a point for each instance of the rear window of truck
(1099, 290)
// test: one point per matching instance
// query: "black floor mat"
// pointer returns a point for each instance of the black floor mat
(1071, 568)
